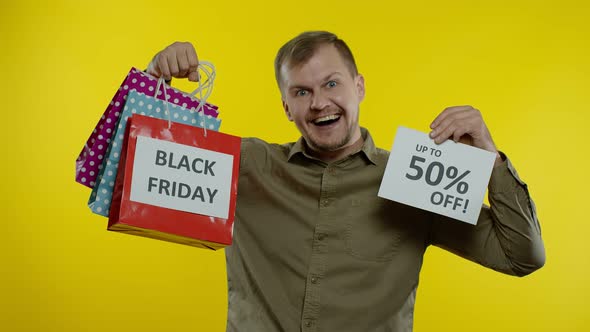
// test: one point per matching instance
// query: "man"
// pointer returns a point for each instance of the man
(314, 248)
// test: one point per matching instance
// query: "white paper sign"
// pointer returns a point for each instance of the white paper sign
(449, 179)
(181, 177)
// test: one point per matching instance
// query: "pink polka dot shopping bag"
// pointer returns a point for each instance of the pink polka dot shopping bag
(93, 154)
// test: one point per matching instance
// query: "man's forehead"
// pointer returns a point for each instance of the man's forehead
(325, 61)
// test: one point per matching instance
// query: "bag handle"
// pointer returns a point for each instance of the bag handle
(204, 90)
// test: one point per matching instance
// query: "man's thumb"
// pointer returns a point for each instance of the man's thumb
(193, 76)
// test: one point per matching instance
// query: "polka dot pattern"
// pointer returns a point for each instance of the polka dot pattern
(107, 123)
(137, 102)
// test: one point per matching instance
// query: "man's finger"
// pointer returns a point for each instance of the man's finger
(193, 76)
(446, 112)
(446, 133)
(163, 66)
(193, 63)
(172, 64)
(457, 115)
(183, 66)
(153, 68)
(459, 132)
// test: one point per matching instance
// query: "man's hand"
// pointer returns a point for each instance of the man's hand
(463, 124)
(177, 60)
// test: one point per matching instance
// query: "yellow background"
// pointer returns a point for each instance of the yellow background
(525, 65)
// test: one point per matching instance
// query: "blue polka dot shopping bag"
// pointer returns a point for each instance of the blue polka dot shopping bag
(143, 104)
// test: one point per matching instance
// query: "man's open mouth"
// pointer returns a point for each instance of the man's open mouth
(326, 120)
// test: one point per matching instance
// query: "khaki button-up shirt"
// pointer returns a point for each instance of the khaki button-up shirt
(315, 248)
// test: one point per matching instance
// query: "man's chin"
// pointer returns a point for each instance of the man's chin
(333, 141)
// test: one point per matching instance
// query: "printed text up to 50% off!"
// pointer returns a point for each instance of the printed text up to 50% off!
(434, 173)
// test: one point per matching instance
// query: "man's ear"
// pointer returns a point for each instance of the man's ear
(360, 86)
(287, 112)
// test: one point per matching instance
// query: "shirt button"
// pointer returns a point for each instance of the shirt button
(331, 170)
(314, 280)
(308, 323)
(321, 236)
(325, 202)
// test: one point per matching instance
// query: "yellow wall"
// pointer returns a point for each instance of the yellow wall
(526, 65)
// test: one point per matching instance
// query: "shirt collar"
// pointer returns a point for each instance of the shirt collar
(369, 149)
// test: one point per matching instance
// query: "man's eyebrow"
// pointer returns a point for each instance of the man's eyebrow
(326, 78)
(297, 87)
(336, 73)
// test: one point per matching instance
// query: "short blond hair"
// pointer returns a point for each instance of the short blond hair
(300, 49)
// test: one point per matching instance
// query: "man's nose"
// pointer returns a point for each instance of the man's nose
(319, 101)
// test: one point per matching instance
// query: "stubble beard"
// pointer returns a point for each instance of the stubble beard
(334, 146)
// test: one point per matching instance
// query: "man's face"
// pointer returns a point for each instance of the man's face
(322, 97)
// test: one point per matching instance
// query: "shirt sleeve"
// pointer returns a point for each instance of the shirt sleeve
(507, 237)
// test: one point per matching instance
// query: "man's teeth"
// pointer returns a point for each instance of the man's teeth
(326, 118)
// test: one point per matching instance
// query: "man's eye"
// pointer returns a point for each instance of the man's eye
(331, 84)
(300, 93)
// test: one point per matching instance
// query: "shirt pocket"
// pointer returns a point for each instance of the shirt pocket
(374, 235)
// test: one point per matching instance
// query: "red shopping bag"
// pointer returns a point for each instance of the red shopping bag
(176, 183)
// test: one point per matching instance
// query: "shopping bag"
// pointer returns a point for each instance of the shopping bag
(140, 103)
(176, 183)
(91, 158)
